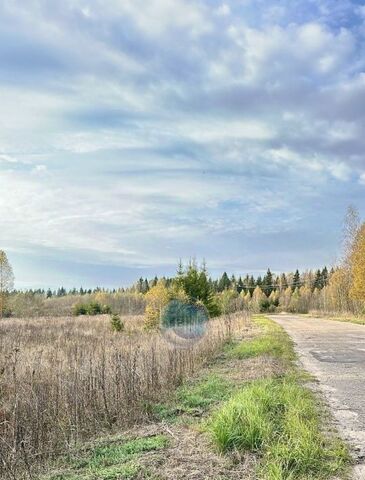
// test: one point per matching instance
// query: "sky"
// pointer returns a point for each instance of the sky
(134, 133)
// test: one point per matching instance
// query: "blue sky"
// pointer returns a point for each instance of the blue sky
(137, 132)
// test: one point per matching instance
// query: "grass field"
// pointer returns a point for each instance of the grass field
(66, 380)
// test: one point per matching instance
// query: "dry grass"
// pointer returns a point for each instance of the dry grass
(63, 380)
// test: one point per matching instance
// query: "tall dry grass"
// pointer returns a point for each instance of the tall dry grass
(63, 380)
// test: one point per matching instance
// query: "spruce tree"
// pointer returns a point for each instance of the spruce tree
(267, 283)
(325, 277)
(296, 280)
(318, 281)
(224, 282)
(240, 287)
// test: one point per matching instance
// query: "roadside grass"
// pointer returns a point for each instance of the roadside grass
(279, 419)
(195, 397)
(273, 341)
(110, 461)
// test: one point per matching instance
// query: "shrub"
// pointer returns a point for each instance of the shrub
(92, 308)
(116, 323)
(79, 309)
(106, 309)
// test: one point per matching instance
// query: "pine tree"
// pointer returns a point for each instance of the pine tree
(325, 277)
(296, 280)
(116, 323)
(251, 284)
(224, 282)
(318, 281)
(145, 286)
(267, 283)
(240, 286)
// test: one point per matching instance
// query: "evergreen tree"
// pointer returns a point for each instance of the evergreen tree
(251, 284)
(224, 282)
(325, 277)
(267, 283)
(240, 285)
(139, 286)
(145, 286)
(296, 280)
(195, 284)
(318, 281)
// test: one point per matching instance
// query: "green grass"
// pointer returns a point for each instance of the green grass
(273, 341)
(115, 461)
(195, 398)
(279, 418)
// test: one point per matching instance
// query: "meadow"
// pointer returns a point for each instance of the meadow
(64, 380)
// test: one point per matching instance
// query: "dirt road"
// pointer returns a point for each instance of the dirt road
(334, 352)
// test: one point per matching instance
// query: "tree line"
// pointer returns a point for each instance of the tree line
(338, 289)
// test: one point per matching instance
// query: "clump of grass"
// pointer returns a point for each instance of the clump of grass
(278, 419)
(243, 423)
(195, 398)
(111, 461)
(209, 390)
(274, 342)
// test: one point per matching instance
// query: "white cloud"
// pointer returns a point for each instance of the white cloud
(8, 158)
(317, 164)
(276, 51)
(223, 10)
(157, 17)
(121, 142)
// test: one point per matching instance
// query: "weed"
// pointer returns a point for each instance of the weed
(111, 461)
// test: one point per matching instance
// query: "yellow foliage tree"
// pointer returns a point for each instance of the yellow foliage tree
(257, 297)
(6, 281)
(336, 296)
(274, 296)
(357, 291)
(285, 298)
(157, 298)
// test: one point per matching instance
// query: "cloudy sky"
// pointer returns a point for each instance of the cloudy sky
(135, 132)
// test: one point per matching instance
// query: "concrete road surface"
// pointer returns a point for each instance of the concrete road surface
(334, 352)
